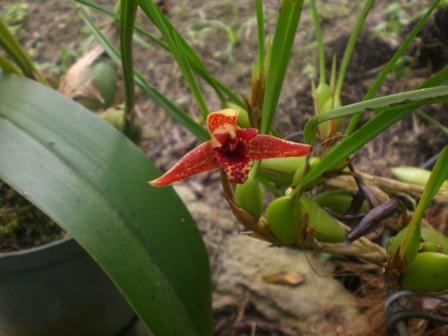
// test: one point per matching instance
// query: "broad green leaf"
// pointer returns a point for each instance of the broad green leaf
(170, 107)
(128, 11)
(92, 181)
(411, 241)
(392, 62)
(280, 52)
(391, 102)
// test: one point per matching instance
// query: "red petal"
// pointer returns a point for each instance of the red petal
(196, 161)
(222, 138)
(267, 146)
(220, 118)
(247, 133)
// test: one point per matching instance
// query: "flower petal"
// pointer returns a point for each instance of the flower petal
(246, 134)
(196, 161)
(217, 120)
(267, 146)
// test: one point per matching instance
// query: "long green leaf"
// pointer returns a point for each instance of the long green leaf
(371, 129)
(392, 114)
(116, 17)
(261, 35)
(64, 159)
(320, 42)
(195, 62)
(13, 48)
(392, 62)
(356, 31)
(411, 241)
(285, 31)
(439, 78)
(7, 66)
(128, 11)
(432, 121)
(171, 108)
(347, 146)
(406, 99)
(171, 38)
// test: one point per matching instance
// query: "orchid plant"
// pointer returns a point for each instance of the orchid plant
(309, 182)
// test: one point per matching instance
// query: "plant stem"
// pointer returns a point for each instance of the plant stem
(128, 12)
(320, 42)
(368, 4)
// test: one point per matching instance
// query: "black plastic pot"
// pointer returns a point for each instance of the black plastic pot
(58, 290)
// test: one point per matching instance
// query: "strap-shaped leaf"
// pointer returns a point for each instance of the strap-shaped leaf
(394, 109)
(285, 32)
(405, 99)
(93, 181)
(163, 101)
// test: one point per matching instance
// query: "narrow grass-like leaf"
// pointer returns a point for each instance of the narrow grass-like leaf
(128, 11)
(391, 64)
(411, 241)
(320, 42)
(261, 35)
(64, 159)
(439, 78)
(285, 31)
(189, 76)
(432, 121)
(13, 48)
(172, 40)
(195, 62)
(7, 66)
(170, 107)
(371, 129)
(356, 31)
(116, 17)
(390, 115)
(348, 145)
(406, 99)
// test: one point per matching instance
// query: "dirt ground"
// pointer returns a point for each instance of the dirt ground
(224, 35)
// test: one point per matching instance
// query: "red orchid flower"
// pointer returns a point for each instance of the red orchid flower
(232, 148)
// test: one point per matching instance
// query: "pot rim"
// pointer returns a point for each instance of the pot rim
(43, 256)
